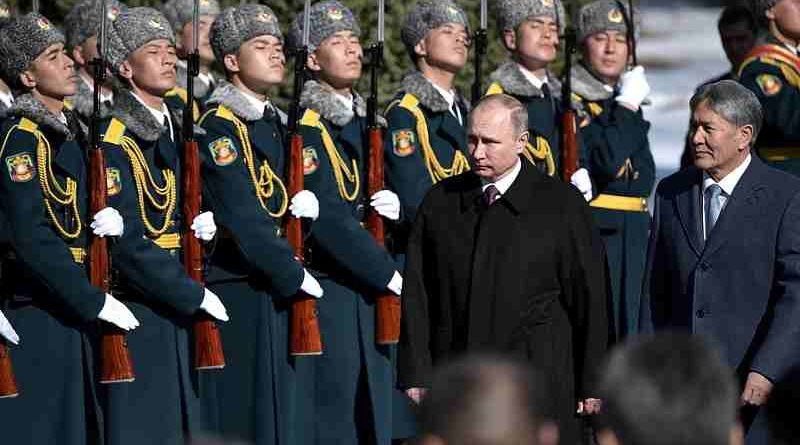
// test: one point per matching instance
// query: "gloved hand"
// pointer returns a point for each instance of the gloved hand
(118, 314)
(204, 226)
(396, 284)
(310, 285)
(387, 204)
(212, 305)
(305, 205)
(580, 179)
(7, 331)
(107, 222)
(633, 88)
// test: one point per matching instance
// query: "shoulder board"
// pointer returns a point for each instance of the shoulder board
(114, 132)
(310, 118)
(225, 113)
(180, 92)
(494, 88)
(409, 102)
(28, 125)
(771, 54)
(68, 104)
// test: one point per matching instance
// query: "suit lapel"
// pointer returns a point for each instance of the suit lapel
(689, 214)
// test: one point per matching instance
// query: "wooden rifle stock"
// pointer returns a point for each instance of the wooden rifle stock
(8, 384)
(387, 305)
(306, 338)
(569, 144)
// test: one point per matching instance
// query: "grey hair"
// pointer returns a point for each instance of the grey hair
(518, 113)
(735, 103)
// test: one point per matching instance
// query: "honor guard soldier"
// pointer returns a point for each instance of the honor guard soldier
(6, 97)
(45, 201)
(143, 175)
(614, 134)
(352, 382)
(772, 72)
(179, 14)
(253, 268)
(82, 26)
(426, 140)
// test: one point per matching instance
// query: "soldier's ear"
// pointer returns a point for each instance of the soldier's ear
(522, 141)
(125, 70)
(28, 79)
(313, 63)
(510, 39)
(421, 49)
(770, 13)
(231, 62)
(77, 55)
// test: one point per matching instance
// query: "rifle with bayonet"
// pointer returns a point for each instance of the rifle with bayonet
(569, 126)
(480, 40)
(387, 305)
(304, 325)
(208, 353)
(116, 365)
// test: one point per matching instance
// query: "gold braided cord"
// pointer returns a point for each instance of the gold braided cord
(540, 153)
(266, 178)
(435, 169)
(49, 182)
(340, 170)
(141, 175)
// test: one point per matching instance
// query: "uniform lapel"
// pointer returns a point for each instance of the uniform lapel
(451, 130)
(687, 205)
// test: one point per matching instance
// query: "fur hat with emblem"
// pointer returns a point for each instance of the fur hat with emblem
(234, 26)
(179, 12)
(22, 40)
(132, 29)
(511, 13)
(83, 20)
(428, 15)
(606, 15)
(327, 18)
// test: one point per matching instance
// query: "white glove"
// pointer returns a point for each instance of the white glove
(580, 179)
(310, 285)
(213, 306)
(396, 284)
(305, 205)
(118, 314)
(633, 88)
(107, 222)
(7, 331)
(204, 226)
(387, 204)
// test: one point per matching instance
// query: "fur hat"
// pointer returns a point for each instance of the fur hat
(511, 13)
(179, 12)
(83, 20)
(428, 15)
(327, 18)
(22, 40)
(235, 26)
(132, 29)
(606, 15)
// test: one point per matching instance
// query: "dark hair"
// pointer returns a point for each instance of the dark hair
(484, 400)
(668, 389)
(736, 14)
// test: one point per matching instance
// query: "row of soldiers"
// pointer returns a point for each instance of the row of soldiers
(265, 395)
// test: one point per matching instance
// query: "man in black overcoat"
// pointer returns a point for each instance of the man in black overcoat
(505, 259)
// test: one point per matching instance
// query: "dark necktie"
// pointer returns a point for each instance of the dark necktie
(269, 113)
(490, 195)
(546, 91)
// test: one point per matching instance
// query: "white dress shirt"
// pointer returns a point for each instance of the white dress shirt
(159, 115)
(533, 78)
(727, 184)
(257, 103)
(450, 98)
(504, 183)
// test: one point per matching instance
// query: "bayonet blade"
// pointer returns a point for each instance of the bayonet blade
(195, 25)
(484, 14)
(381, 19)
(306, 22)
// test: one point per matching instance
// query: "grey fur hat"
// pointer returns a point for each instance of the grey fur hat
(132, 29)
(427, 15)
(22, 40)
(235, 26)
(83, 20)
(511, 13)
(179, 12)
(759, 7)
(327, 18)
(606, 15)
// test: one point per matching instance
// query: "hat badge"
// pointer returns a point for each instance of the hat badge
(43, 23)
(335, 13)
(155, 24)
(615, 16)
(113, 12)
(204, 2)
(4, 12)
(547, 3)
(265, 17)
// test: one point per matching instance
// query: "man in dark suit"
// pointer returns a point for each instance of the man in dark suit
(505, 259)
(724, 254)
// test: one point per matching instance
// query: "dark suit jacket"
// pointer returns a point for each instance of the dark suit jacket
(741, 288)
(525, 277)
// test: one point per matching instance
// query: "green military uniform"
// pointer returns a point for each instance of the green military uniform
(253, 268)
(352, 381)
(772, 72)
(424, 144)
(46, 291)
(143, 177)
(623, 171)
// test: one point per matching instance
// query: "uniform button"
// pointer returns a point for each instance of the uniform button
(700, 313)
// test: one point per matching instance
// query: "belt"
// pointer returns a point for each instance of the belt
(774, 154)
(78, 254)
(169, 241)
(616, 202)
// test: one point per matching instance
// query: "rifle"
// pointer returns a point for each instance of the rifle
(569, 128)
(387, 305)
(480, 39)
(35, 6)
(115, 365)
(304, 326)
(208, 353)
(8, 384)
